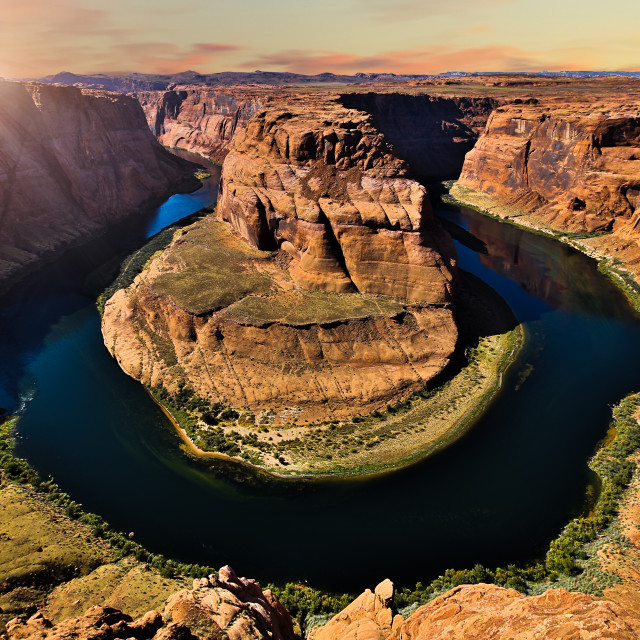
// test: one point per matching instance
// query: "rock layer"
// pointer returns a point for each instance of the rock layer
(477, 612)
(577, 168)
(319, 187)
(431, 133)
(262, 344)
(71, 163)
(198, 119)
(323, 184)
(222, 606)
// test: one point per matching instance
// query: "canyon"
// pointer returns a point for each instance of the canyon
(72, 163)
(320, 214)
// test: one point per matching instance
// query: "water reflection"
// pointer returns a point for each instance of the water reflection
(36, 303)
(555, 273)
(498, 496)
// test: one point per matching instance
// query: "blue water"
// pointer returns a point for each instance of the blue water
(496, 497)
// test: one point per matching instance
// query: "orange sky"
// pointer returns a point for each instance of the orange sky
(39, 37)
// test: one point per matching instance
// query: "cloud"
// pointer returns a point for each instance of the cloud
(425, 60)
(387, 11)
(164, 57)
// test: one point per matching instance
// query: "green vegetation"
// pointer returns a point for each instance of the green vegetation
(134, 263)
(306, 307)
(303, 602)
(209, 269)
(13, 469)
(621, 278)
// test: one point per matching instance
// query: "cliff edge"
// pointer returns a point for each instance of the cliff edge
(71, 163)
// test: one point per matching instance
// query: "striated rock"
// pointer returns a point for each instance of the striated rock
(323, 184)
(478, 612)
(486, 611)
(200, 120)
(578, 168)
(72, 162)
(431, 133)
(217, 607)
(227, 319)
(570, 166)
(368, 617)
(318, 191)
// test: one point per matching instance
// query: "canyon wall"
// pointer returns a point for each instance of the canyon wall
(431, 133)
(577, 167)
(71, 163)
(200, 120)
(343, 303)
(322, 184)
(573, 167)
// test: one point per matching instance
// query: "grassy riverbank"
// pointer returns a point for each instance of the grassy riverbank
(590, 244)
(408, 431)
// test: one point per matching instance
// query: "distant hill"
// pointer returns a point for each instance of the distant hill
(157, 82)
(129, 83)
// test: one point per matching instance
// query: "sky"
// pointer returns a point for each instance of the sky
(43, 37)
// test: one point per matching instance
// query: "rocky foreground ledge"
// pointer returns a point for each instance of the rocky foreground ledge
(236, 608)
(482, 611)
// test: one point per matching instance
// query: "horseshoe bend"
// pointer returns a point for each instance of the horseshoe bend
(316, 300)
(318, 320)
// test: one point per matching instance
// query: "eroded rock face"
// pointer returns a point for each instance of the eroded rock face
(478, 612)
(432, 133)
(320, 188)
(321, 183)
(198, 119)
(222, 606)
(576, 167)
(269, 346)
(71, 162)
(368, 617)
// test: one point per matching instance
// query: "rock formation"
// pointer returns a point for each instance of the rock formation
(323, 185)
(567, 165)
(431, 133)
(71, 163)
(217, 607)
(369, 617)
(198, 119)
(482, 611)
(577, 168)
(240, 333)
(318, 187)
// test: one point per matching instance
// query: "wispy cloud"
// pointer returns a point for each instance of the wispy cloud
(413, 9)
(410, 61)
(164, 57)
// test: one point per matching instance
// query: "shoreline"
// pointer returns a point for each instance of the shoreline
(445, 425)
(460, 195)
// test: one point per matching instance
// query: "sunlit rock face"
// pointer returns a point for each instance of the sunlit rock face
(324, 185)
(71, 163)
(200, 120)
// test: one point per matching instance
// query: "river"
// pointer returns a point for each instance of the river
(498, 496)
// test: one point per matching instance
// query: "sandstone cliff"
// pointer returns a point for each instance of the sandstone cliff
(72, 162)
(316, 189)
(577, 168)
(323, 184)
(570, 166)
(200, 120)
(229, 321)
(431, 133)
